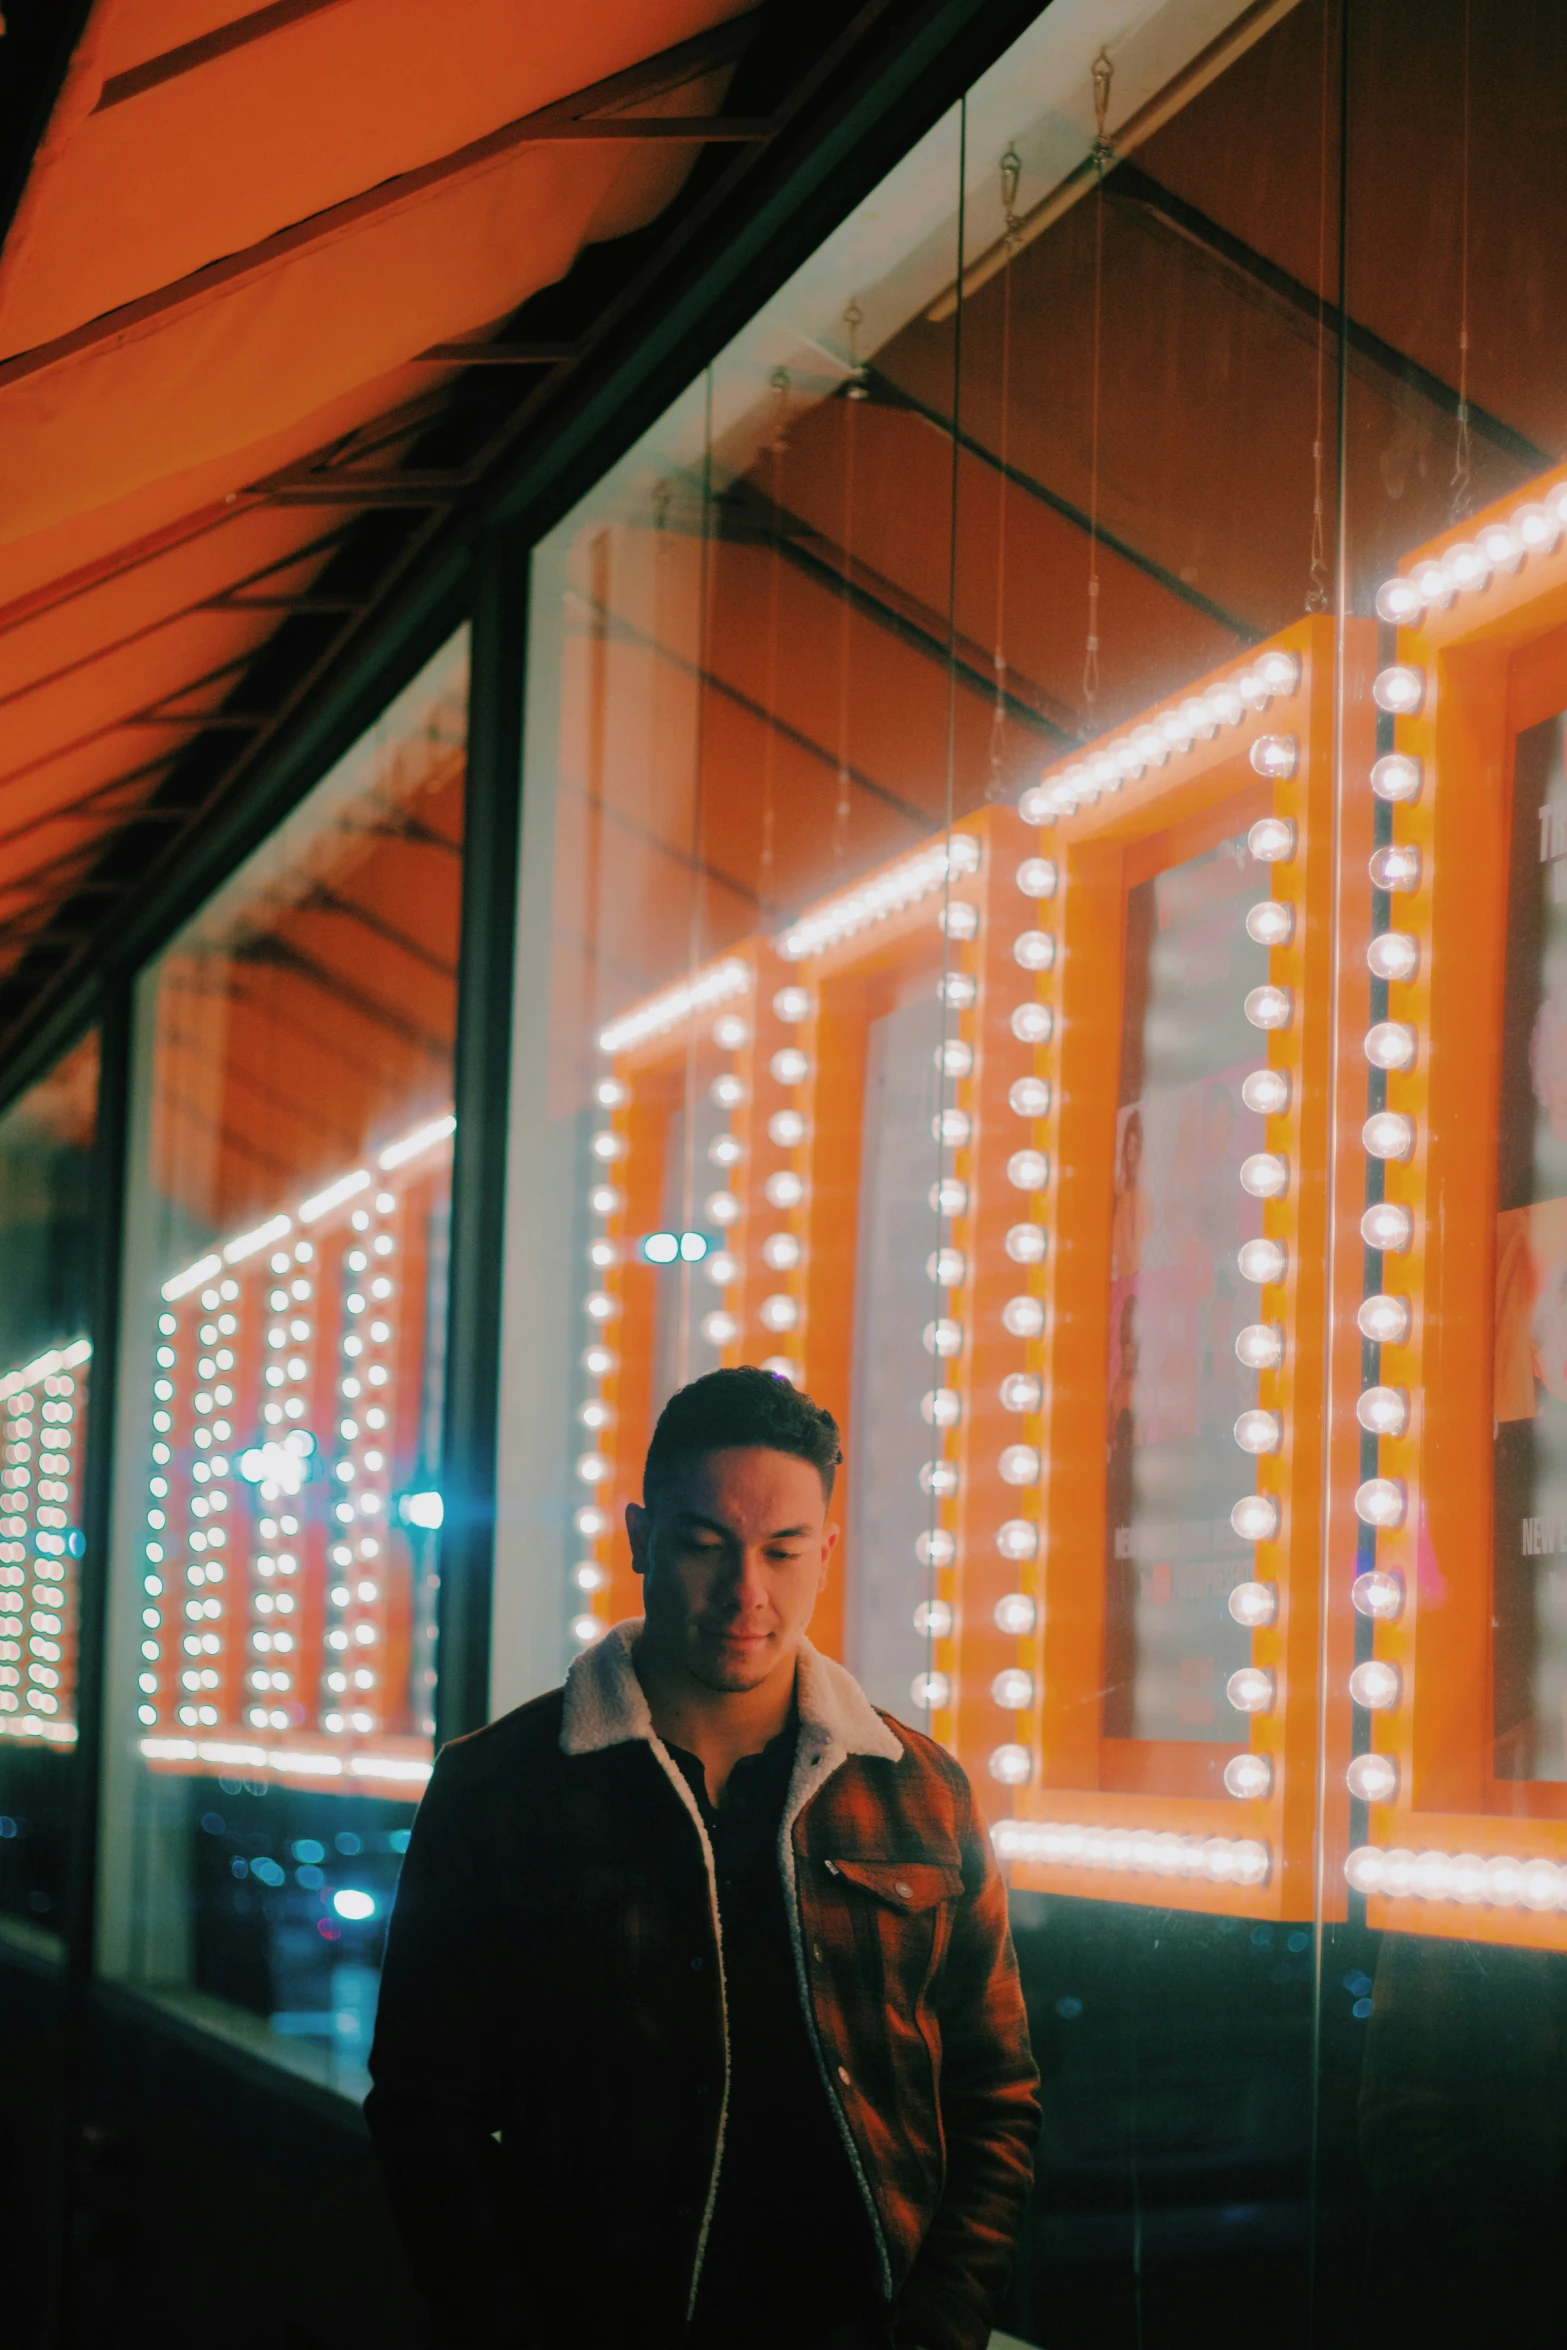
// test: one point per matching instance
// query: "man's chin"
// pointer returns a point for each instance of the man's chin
(718, 1668)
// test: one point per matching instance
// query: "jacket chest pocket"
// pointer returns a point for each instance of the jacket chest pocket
(899, 1911)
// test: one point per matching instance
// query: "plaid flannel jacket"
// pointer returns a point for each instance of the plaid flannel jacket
(550, 2060)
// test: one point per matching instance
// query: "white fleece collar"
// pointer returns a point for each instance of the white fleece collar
(605, 1706)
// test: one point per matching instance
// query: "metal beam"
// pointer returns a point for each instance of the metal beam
(496, 355)
(238, 34)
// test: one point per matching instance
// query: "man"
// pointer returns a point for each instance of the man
(700, 2027)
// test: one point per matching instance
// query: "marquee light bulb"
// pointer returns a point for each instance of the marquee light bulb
(1249, 1776)
(1104, 773)
(947, 1267)
(1029, 1097)
(1265, 1175)
(1013, 1689)
(781, 1252)
(1501, 547)
(1400, 602)
(1397, 777)
(952, 1127)
(1020, 1391)
(1275, 755)
(1152, 746)
(1262, 1261)
(953, 1059)
(786, 1128)
(939, 1478)
(943, 1337)
(1269, 1007)
(1259, 1431)
(608, 1147)
(1034, 950)
(1025, 1244)
(780, 1312)
(1178, 730)
(721, 1208)
(1375, 1686)
(1032, 1023)
(783, 1190)
(958, 920)
(1380, 1501)
(1028, 1170)
(1379, 1595)
(1279, 672)
(1260, 1346)
(931, 1691)
(1388, 1134)
(1016, 1614)
(1271, 840)
(1467, 567)
(1011, 1764)
(957, 990)
(933, 1620)
(1383, 1411)
(1538, 529)
(1128, 760)
(1019, 1465)
(941, 1407)
(1372, 1778)
(1018, 1538)
(726, 1093)
(1384, 1320)
(1393, 954)
(936, 1548)
(1399, 689)
(726, 1150)
(949, 1197)
(1271, 924)
(1198, 718)
(1252, 1690)
(1037, 877)
(1396, 869)
(792, 1005)
(720, 1329)
(1254, 1604)
(1042, 803)
(1363, 1870)
(1267, 1092)
(1225, 705)
(1391, 1044)
(1024, 1317)
(1255, 1518)
(730, 1032)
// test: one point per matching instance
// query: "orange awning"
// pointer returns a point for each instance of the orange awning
(239, 234)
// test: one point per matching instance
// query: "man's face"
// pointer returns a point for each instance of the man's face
(732, 1559)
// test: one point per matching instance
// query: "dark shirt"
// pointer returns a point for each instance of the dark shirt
(789, 2255)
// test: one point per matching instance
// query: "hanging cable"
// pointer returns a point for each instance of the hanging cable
(1011, 172)
(1463, 490)
(855, 390)
(1317, 588)
(777, 448)
(1102, 154)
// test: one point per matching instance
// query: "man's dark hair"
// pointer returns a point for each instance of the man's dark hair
(745, 1406)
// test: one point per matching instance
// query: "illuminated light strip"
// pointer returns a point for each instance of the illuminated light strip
(1220, 1860)
(375, 1766)
(676, 1004)
(30, 1726)
(887, 893)
(1465, 567)
(1494, 1880)
(1171, 732)
(181, 1284)
(236, 1251)
(423, 1138)
(322, 1202)
(64, 1358)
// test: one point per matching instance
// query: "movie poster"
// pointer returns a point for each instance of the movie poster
(1530, 1489)
(1173, 1469)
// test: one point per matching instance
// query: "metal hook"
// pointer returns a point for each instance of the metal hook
(1103, 73)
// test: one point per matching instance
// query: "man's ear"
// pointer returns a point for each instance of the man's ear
(639, 1530)
(830, 1534)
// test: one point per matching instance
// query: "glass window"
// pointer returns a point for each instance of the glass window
(46, 1268)
(1042, 885)
(273, 1658)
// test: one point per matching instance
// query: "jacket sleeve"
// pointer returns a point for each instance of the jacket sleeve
(433, 2108)
(990, 2119)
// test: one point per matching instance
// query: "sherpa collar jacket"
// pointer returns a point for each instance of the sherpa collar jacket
(551, 2063)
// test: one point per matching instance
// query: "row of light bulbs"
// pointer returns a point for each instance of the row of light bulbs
(34, 1662)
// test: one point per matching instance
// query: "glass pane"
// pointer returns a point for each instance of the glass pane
(46, 1266)
(275, 1570)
